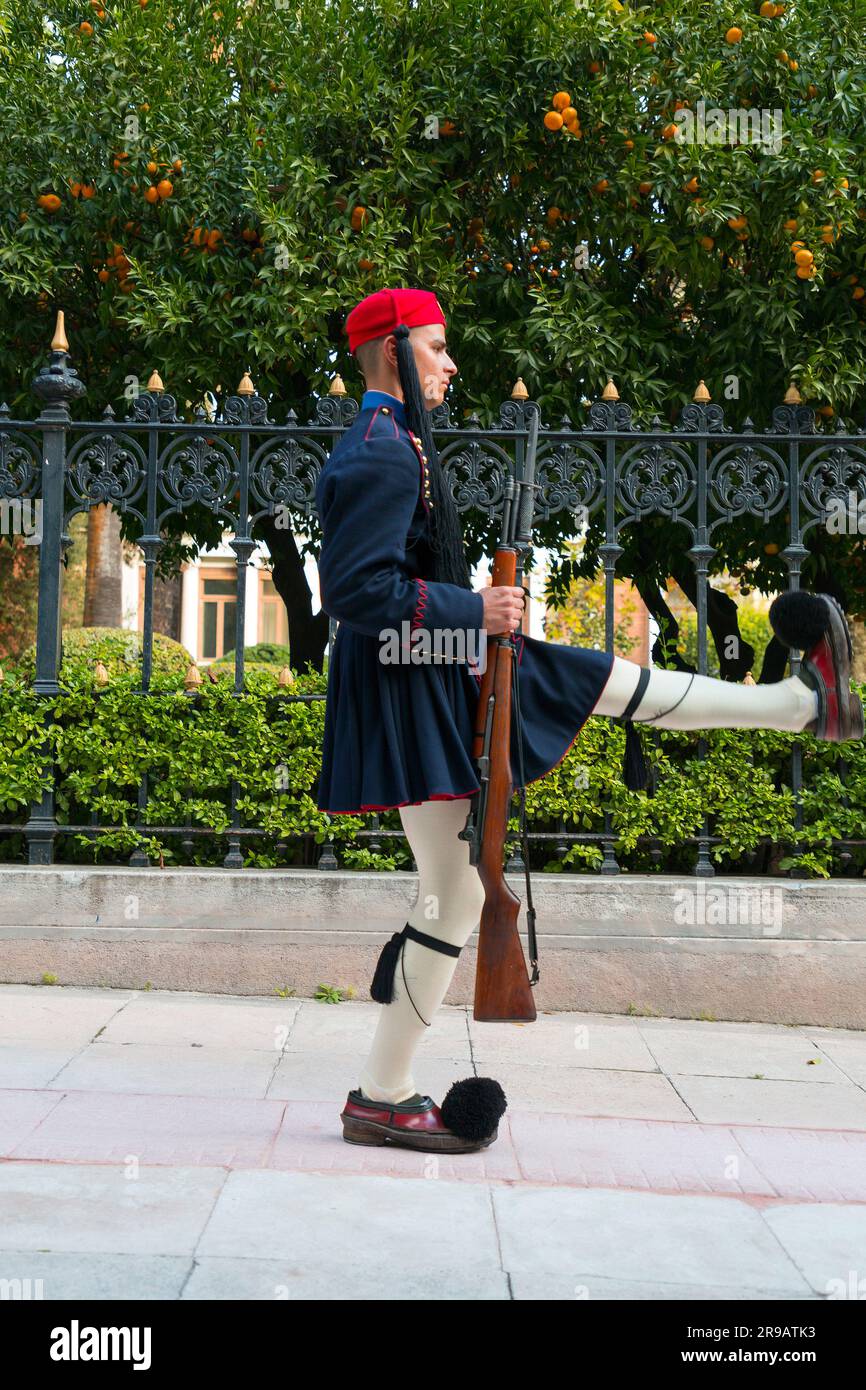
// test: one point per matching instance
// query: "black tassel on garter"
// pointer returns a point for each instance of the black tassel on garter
(382, 988)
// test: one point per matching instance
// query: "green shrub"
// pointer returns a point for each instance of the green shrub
(191, 746)
(118, 648)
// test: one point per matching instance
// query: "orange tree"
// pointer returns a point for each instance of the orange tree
(208, 187)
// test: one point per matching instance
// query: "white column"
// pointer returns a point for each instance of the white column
(189, 609)
(251, 618)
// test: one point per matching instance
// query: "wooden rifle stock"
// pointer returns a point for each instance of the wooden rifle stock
(503, 992)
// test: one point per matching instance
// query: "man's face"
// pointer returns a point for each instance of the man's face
(435, 367)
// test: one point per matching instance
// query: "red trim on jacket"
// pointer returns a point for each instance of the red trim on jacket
(420, 606)
(373, 421)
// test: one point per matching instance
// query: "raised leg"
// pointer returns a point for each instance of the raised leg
(677, 700)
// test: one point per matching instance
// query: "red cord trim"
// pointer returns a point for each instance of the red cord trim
(420, 606)
(439, 796)
(373, 421)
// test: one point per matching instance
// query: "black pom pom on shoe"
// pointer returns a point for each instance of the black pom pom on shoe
(799, 619)
(473, 1108)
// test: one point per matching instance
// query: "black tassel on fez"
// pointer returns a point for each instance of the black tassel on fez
(382, 988)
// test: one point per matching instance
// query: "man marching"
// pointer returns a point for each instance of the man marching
(399, 733)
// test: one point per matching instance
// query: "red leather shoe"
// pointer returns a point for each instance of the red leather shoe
(826, 667)
(412, 1124)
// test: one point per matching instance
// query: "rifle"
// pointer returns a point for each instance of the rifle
(503, 990)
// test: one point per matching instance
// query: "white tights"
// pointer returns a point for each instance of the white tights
(450, 892)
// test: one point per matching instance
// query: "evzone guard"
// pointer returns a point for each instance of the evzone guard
(400, 734)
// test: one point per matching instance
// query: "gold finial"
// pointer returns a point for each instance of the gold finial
(701, 395)
(519, 391)
(285, 677)
(610, 392)
(155, 382)
(748, 679)
(100, 675)
(337, 387)
(792, 396)
(58, 342)
(246, 387)
(193, 679)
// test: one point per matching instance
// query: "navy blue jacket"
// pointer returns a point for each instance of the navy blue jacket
(400, 734)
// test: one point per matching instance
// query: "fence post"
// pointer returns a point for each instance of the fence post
(56, 385)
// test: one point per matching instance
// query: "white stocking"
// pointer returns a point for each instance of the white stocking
(449, 904)
(677, 700)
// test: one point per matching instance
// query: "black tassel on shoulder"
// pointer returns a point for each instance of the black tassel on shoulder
(382, 988)
(634, 768)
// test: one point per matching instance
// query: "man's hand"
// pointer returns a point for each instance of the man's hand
(503, 607)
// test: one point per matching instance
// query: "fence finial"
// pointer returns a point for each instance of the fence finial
(246, 387)
(193, 679)
(519, 391)
(285, 677)
(100, 674)
(701, 395)
(610, 392)
(58, 342)
(337, 387)
(155, 382)
(792, 396)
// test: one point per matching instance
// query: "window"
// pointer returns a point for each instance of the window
(273, 618)
(218, 613)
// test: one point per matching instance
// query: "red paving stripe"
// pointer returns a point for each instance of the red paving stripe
(759, 1163)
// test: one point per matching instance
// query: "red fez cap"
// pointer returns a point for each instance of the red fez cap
(380, 313)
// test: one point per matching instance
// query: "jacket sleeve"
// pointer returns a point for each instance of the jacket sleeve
(366, 509)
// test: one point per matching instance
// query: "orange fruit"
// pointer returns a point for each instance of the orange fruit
(852, 279)
(771, 548)
(858, 293)
(88, 190)
(85, 29)
(828, 236)
(602, 186)
(545, 245)
(364, 264)
(509, 267)
(817, 175)
(594, 66)
(782, 56)
(791, 224)
(214, 238)
(794, 65)
(803, 257)
(767, 10)
(644, 188)
(628, 144)
(145, 106)
(692, 185)
(152, 166)
(447, 128)
(707, 243)
(569, 116)
(737, 223)
(177, 166)
(812, 89)
(805, 272)
(165, 188)
(553, 120)
(561, 101)
(649, 38)
(104, 275)
(733, 35)
(74, 188)
(359, 217)
(669, 131)
(797, 245)
(199, 236)
(150, 194)
(826, 410)
(553, 215)
(49, 201)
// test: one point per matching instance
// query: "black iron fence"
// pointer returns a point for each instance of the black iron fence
(242, 466)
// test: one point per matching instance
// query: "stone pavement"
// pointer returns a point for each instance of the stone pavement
(188, 1146)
